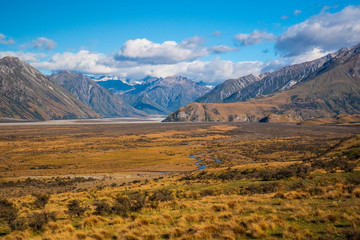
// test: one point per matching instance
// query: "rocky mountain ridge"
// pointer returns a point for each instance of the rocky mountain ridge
(331, 86)
(26, 93)
(104, 102)
(163, 95)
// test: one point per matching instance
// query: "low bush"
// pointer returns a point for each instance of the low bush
(18, 224)
(352, 234)
(37, 221)
(41, 200)
(102, 208)
(162, 195)
(8, 211)
(295, 170)
(121, 206)
(262, 188)
(137, 201)
(75, 209)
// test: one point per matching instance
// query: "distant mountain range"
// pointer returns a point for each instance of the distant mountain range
(163, 95)
(104, 102)
(325, 87)
(25, 93)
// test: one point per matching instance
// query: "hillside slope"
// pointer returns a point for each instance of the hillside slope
(331, 90)
(225, 89)
(164, 95)
(101, 100)
(25, 93)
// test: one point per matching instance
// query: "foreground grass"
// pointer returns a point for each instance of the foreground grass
(293, 187)
(322, 205)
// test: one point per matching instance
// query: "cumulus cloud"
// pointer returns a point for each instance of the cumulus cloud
(255, 37)
(145, 51)
(222, 49)
(308, 56)
(82, 61)
(27, 57)
(5, 40)
(44, 43)
(96, 63)
(272, 65)
(217, 34)
(321, 33)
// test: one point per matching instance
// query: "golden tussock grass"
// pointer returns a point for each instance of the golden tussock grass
(232, 200)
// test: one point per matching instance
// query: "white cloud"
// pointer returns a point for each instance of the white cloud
(145, 51)
(217, 34)
(297, 12)
(82, 61)
(255, 37)
(222, 49)
(96, 63)
(308, 56)
(5, 40)
(208, 71)
(44, 43)
(27, 57)
(272, 65)
(321, 33)
(284, 17)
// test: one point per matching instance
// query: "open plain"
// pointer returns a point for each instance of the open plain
(179, 180)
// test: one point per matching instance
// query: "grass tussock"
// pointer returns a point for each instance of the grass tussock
(283, 188)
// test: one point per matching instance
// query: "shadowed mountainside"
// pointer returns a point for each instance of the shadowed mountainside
(101, 100)
(164, 95)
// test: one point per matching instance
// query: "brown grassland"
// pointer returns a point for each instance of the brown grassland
(138, 181)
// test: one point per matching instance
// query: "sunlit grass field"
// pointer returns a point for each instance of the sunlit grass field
(261, 181)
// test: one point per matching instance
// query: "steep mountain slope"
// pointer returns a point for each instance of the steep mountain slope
(241, 89)
(25, 93)
(331, 90)
(225, 89)
(115, 85)
(101, 100)
(282, 79)
(164, 95)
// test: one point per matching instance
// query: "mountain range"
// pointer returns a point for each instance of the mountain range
(104, 102)
(325, 87)
(163, 95)
(26, 93)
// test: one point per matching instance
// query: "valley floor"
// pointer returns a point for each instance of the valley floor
(179, 180)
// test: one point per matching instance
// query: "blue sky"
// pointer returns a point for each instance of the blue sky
(203, 40)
